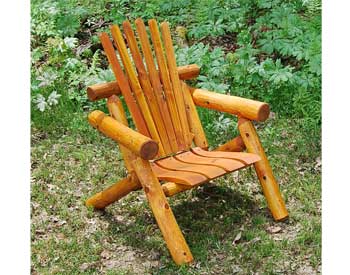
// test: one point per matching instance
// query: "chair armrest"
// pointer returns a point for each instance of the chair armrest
(250, 109)
(141, 145)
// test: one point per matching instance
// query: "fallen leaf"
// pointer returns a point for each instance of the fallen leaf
(237, 238)
(273, 229)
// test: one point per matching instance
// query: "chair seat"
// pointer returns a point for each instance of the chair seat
(198, 166)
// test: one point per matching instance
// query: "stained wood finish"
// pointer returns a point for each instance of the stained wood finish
(116, 110)
(113, 193)
(167, 86)
(245, 158)
(146, 86)
(189, 168)
(208, 171)
(263, 170)
(174, 76)
(181, 177)
(172, 188)
(251, 109)
(234, 145)
(167, 114)
(228, 165)
(133, 80)
(139, 144)
(105, 90)
(195, 124)
(172, 234)
(124, 85)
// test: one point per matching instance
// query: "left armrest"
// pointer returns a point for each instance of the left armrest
(250, 109)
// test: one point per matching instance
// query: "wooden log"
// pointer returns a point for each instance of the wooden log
(163, 214)
(193, 118)
(139, 144)
(105, 90)
(116, 110)
(171, 188)
(251, 109)
(234, 145)
(114, 192)
(123, 187)
(263, 170)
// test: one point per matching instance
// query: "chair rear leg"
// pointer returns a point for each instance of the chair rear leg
(163, 214)
(263, 170)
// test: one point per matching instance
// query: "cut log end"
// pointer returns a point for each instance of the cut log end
(95, 118)
(263, 112)
(149, 150)
(91, 94)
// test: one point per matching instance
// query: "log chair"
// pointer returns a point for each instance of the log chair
(168, 151)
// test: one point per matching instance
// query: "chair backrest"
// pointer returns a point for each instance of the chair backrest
(153, 92)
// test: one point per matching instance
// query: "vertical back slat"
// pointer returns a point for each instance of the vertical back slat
(156, 84)
(175, 80)
(146, 86)
(193, 118)
(164, 74)
(124, 85)
(118, 38)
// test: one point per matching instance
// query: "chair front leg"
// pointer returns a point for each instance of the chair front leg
(163, 214)
(263, 170)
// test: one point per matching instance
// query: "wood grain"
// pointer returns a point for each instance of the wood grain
(156, 84)
(251, 109)
(105, 90)
(124, 85)
(163, 214)
(167, 86)
(139, 144)
(147, 87)
(135, 85)
(263, 170)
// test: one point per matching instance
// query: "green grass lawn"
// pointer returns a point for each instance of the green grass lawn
(226, 222)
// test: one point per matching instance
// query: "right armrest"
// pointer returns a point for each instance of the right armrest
(248, 108)
(141, 145)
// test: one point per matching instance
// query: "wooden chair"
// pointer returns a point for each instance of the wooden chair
(168, 152)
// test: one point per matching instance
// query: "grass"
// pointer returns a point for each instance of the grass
(226, 223)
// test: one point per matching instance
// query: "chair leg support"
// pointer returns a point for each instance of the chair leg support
(234, 145)
(263, 170)
(114, 192)
(163, 214)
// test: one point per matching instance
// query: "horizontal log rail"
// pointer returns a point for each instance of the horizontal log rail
(105, 90)
(250, 109)
(141, 145)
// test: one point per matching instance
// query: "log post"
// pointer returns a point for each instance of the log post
(114, 192)
(163, 214)
(263, 169)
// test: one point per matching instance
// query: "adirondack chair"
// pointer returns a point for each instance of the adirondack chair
(169, 153)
